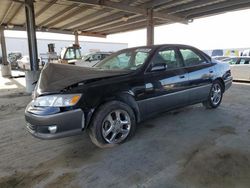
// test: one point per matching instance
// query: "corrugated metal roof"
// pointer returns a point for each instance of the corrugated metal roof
(103, 17)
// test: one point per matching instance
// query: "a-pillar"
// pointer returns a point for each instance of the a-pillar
(32, 75)
(5, 66)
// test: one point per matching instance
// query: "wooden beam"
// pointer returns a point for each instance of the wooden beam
(67, 16)
(103, 20)
(46, 7)
(220, 10)
(116, 23)
(128, 27)
(126, 8)
(191, 5)
(85, 19)
(120, 24)
(225, 4)
(19, 8)
(7, 12)
(155, 3)
(59, 14)
(70, 32)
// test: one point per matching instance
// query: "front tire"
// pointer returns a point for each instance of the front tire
(112, 124)
(215, 96)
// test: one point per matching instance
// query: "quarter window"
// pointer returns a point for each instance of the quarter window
(167, 57)
(191, 58)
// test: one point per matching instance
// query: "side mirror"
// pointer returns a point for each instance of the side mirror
(159, 67)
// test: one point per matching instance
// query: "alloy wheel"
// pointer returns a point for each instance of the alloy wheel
(216, 94)
(116, 126)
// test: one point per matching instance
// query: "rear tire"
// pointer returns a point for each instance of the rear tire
(215, 96)
(112, 124)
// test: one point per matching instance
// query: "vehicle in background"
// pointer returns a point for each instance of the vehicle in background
(246, 53)
(220, 58)
(129, 86)
(232, 53)
(240, 67)
(217, 52)
(50, 56)
(13, 57)
(70, 55)
(24, 63)
(92, 59)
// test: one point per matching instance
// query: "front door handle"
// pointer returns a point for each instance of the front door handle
(182, 76)
(211, 71)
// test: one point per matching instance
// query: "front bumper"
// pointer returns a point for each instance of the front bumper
(67, 123)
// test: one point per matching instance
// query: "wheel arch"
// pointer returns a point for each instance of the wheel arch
(222, 83)
(126, 97)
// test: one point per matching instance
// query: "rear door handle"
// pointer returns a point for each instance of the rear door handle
(182, 76)
(211, 71)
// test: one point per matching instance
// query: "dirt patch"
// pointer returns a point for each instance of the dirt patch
(70, 159)
(14, 95)
(224, 130)
(181, 110)
(63, 180)
(11, 108)
(149, 126)
(216, 167)
(23, 179)
(73, 158)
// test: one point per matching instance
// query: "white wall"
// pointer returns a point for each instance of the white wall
(21, 45)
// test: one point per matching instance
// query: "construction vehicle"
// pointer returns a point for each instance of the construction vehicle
(68, 55)
(71, 54)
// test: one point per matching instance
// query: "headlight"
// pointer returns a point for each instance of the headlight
(57, 100)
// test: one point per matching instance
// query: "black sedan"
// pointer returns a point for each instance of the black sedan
(122, 90)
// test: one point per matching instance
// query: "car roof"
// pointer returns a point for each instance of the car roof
(162, 45)
(169, 45)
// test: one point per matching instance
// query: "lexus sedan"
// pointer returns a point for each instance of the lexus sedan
(122, 90)
(240, 67)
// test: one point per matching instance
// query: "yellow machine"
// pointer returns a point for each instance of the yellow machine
(71, 54)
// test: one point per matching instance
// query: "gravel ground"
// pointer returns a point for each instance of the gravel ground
(188, 147)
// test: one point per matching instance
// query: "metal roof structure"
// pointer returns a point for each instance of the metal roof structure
(103, 17)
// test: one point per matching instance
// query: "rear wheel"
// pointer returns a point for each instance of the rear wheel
(112, 124)
(215, 96)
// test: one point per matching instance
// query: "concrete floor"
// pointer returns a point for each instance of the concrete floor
(189, 147)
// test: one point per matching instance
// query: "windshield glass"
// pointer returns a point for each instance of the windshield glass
(130, 59)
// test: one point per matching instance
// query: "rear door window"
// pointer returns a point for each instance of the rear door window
(192, 58)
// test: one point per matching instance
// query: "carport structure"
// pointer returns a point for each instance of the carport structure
(102, 17)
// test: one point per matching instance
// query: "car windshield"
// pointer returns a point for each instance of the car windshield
(129, 59)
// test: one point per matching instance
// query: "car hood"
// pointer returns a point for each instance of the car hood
(55, 77)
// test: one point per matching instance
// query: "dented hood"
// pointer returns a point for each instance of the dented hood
(55, 77)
